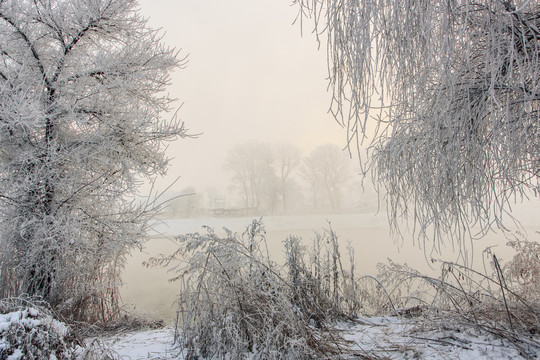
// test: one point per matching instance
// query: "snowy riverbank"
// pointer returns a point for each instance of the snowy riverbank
(370, 338)
(387, 337)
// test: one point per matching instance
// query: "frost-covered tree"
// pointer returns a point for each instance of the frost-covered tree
(454, 87)
(81, 96)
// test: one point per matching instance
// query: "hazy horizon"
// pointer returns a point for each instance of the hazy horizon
(251, 76)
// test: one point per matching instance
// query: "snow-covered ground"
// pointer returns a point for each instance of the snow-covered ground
(156, 344)
(405, 338)
(387, 337)
(371, 338)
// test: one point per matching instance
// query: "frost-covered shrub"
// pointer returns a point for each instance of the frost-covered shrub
(30, 330)
(523, 271)
(321, 287)
(235, 301)
(32, 333)
(393, 290)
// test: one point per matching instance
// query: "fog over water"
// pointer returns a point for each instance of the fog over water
(252, 77)
(147, 290)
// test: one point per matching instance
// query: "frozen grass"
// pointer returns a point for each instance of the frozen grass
(237, 303)
(499, 302)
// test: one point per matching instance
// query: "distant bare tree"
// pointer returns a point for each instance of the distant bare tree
(310, 174)
(287, 160)
(251, 165)
(327, 169)
(455, 85)
(81, 105)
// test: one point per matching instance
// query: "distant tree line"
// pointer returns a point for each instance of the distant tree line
(275, 179)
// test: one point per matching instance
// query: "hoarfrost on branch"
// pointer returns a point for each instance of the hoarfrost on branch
(454, 88)
(81, 95)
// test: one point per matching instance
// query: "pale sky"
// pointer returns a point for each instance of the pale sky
(251, 76)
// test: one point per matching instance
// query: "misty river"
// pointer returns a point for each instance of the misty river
(148, 291)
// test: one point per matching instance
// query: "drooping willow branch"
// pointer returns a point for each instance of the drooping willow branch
(449, 93)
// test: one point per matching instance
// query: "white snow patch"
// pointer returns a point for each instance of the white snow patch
(142, 345)
(379, 337)
(17, 354)
(403, 338)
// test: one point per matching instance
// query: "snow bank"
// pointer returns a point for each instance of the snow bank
(33, 334)
(385, 337)
(143, 345)
(419, 338)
